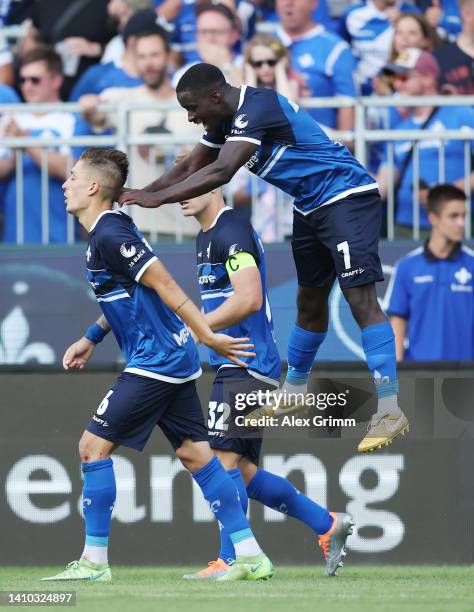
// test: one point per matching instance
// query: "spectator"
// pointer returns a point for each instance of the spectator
(430, 296)
(416, 74)
(368, 27)
(121, 11)
(267, 64)
(444, 16)
(78, 29)
(456, 59)
(123, 73)
(147, 162)
(320, 13)
(412, 31)
(41, 79)
(216, 36)
(324, 60)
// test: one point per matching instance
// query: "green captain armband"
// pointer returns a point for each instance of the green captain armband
(240, 261)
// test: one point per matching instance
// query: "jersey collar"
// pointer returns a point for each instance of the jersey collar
(288, 41)
(222, 211)
(104, 212)
(243, 89)
(453, 256)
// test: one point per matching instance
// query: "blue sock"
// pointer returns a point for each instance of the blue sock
(278, 493)
(302, 348)
(98, 497)
(221, 494)
(378, 342)
(227, 552)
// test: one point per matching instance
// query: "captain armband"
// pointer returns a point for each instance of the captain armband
(240, 261)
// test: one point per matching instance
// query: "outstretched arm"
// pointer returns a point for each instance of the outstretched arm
(199, 157)
(233, 155)
(158, 278)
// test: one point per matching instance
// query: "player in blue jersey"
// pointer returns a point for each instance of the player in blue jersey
(337, 217)
(148, 314)
(232, 281)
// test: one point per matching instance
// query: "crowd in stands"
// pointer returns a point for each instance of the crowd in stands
(97, 52)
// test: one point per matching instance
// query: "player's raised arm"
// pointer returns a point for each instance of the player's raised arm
(158, 278)
(79, 353)
(233, 155)
(247, 297)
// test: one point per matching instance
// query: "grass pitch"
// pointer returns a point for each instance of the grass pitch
(292, 589)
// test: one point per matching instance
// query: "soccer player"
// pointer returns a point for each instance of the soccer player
(337, 216)
(148, 313)
(231, 276)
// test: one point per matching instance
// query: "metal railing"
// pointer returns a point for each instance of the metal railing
(362, 137)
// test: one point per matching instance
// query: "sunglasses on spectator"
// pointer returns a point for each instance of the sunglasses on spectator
(268, 62)
(35, 80)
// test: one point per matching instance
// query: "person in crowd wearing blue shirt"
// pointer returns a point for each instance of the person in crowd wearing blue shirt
(42, 219)
(368, 27)
(324, 60)
(430, 296)
(149, 315)
(121, 74)
(416, 73)
(337, 216)
(231, 272)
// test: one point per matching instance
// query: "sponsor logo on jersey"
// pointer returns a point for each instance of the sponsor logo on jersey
(136, 258)
(182, 337)
(233, 249)
(127, 251)
(208, 251)
(88, 254)
(463, 276)
(241, 122)
(252, 162)
(207, 278)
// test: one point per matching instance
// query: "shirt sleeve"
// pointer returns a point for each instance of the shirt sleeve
(125, 251)
(216, 140)
(397, 298)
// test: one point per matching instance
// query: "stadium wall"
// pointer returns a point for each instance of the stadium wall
(412, 503)
(47, 303)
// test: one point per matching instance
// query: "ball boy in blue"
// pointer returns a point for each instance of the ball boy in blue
(337, 217)
(148, 314)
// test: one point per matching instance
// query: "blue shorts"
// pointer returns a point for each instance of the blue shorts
(224, 433)
(339, 240)
(136, 404)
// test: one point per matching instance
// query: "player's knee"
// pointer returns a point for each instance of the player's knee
(90, 451)
(364, 305)
(312, 307)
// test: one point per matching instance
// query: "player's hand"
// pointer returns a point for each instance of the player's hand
(145, 199)
(231, 347)
(78, 354)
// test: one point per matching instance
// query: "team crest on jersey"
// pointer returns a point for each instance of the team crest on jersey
(127, 251)
(241, 122)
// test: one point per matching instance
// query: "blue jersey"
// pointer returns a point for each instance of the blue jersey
(154, 340)
(294, 153)
(436, 296)
(227, 236)
(99, 77)
(447, 118)
(327, 65)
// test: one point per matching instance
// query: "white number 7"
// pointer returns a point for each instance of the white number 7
(344, 247)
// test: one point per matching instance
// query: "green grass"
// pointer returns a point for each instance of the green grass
(292, 589)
